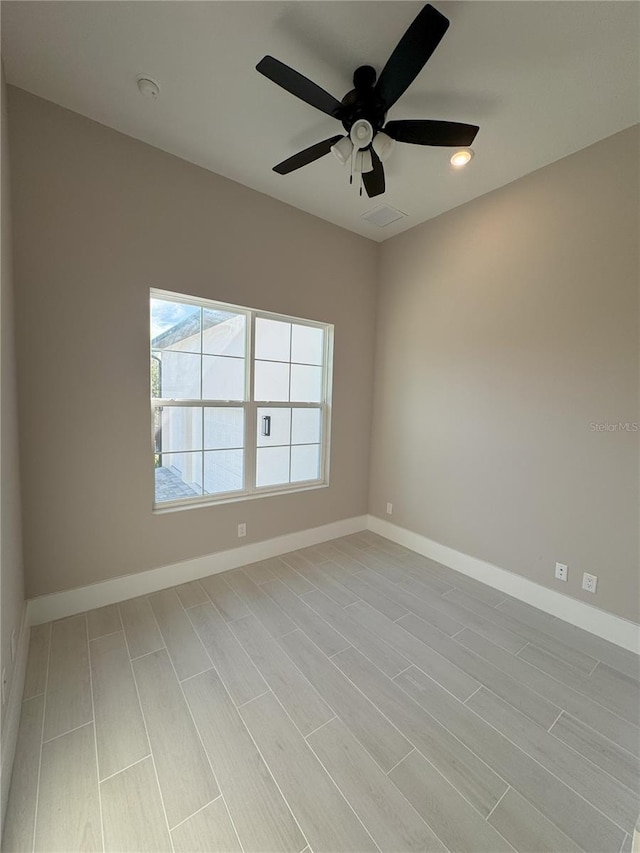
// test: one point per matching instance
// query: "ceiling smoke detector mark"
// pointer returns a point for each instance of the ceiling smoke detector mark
(147, 87)
(383, 215)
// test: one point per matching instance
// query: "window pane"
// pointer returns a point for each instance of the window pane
(279, 427)
(273, 340)
(178, 475)
(307, 344)
(175, 326)
(271, 381)
(223, 471)
(223, 333)
(223, 428)
(178, 375)
(306, 383)
(272, 466)
(178, 428)
(223, 378)
(305, 462)
(305, 427)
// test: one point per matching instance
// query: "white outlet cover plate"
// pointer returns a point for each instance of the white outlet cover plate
(562, 571)
(589, 582)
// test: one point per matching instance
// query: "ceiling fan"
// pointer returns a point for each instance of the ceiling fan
(363, 110)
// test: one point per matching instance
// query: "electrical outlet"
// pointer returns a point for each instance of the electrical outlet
(561, 571)
(589, 582)
(13, 645)
(389, 509)
(4, 685)
(242, 530)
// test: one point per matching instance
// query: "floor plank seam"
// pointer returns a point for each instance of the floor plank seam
(100, 636)
(593, 669)
(231, 821)
(597, 767)
(479, 687)
(593, 699)
(411, 751)
(266, 764)
(197, 811)
(122, 769)
(500, 799)
(44, 711)
(568, 713)
(146, 654)
(247, 701)
(95, 733)
(355, 686)
(342, 794)
(195, 674)
(555, 721)
(146, 730)
(34, 696)
(567, 745)
(453, 734)
(321, 726)
(197, 604)
(197, 730)
(550, 772)
(68, 732)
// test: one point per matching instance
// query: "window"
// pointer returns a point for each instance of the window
(240, 401)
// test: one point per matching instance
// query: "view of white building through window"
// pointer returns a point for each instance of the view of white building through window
(240, 400)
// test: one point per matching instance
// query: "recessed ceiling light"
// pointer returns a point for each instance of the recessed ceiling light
(148, 87)
(461, 158)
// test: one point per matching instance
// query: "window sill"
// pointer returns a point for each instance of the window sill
(179, 506)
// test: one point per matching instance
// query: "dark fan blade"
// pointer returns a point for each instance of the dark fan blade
(374, 181)
(303, 158)
(412, 52)
(298, 85)
(427, 132)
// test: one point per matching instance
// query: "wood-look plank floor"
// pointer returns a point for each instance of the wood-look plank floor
(353, 696)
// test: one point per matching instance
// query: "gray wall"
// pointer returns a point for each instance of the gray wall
(11, 577)
(99, 218)
(505, 328)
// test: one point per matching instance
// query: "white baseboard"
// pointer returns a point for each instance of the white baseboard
(617, 630)
(12, 713)
(57, 605)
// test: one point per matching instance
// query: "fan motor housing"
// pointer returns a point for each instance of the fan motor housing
(362, 101)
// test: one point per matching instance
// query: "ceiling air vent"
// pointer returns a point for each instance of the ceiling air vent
(383, 215)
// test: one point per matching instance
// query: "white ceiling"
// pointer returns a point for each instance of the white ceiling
(542, 79)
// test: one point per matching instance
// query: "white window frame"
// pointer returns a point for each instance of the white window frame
(250, 407)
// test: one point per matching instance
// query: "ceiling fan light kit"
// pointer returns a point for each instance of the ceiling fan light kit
(363, 111)
(361, 133)
(383, 145)
(342, 150)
